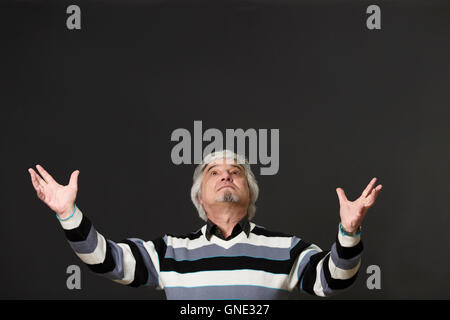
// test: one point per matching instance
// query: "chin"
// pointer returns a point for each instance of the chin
(227, 196)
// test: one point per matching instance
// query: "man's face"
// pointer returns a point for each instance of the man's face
(224, 181)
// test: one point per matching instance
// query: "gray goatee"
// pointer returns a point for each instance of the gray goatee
(228, 197)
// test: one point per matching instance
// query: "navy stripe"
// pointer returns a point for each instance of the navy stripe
(348, 252)
(335, 284)
(298, 249)
(308, 278)
(226, 263)
(140, 271)
(160, 248)
(260, 231)
(81, 232)
(190, 236)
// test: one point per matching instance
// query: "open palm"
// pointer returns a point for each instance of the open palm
(59, 198)
(353, 212)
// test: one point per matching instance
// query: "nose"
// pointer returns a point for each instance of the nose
(226, 176)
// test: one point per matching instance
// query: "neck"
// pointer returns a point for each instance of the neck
(226, 216)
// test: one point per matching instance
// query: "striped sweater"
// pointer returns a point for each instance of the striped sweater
(262, 265)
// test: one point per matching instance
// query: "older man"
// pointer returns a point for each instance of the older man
(230, 257)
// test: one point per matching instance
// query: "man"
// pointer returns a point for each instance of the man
(230, 257)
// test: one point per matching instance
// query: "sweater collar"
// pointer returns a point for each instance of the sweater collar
(213, 229)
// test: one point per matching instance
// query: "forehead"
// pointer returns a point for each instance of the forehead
(223, 162)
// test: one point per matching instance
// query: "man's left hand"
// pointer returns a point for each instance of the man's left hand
(352, 212)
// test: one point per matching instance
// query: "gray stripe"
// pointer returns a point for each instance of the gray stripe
(345, 264)
(117, 254)
(294, 241)
(153, 280)
(88, 245)
(239, 249)
(225, 292)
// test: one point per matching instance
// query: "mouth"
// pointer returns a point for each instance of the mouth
(225, 187)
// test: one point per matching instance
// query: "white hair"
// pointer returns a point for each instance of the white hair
(198, 178)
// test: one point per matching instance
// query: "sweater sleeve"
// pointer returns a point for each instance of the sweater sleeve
(130, 262)
(325, 273)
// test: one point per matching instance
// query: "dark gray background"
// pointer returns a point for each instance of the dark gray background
(350, 104)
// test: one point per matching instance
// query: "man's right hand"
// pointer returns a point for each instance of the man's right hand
(60, 199)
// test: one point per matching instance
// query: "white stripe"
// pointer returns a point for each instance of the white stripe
(348, 241)
(257, 240)
(224, 278)
(98, 255)
(73, 222)
(318, 288)
(272, 242)
(150, 247)
(128, 263)
(338, 273)
(186, 243)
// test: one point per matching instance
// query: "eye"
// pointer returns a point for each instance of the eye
(213, 173)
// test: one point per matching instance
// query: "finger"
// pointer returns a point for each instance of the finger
(36, 179)
(373, 195)
(74, 179)
(47, 177)
(341, 195)
(377, 190)
(33, 180)
(369, 187)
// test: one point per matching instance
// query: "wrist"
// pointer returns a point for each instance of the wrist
(349, 232)
(67, 214)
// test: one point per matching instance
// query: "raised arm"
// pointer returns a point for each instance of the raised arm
(325, 273)
(130, 262)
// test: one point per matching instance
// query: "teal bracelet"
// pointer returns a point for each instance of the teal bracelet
(74, 209)
(344, 233)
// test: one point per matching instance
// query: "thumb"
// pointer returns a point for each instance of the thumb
(74, 179)
(341, 195)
